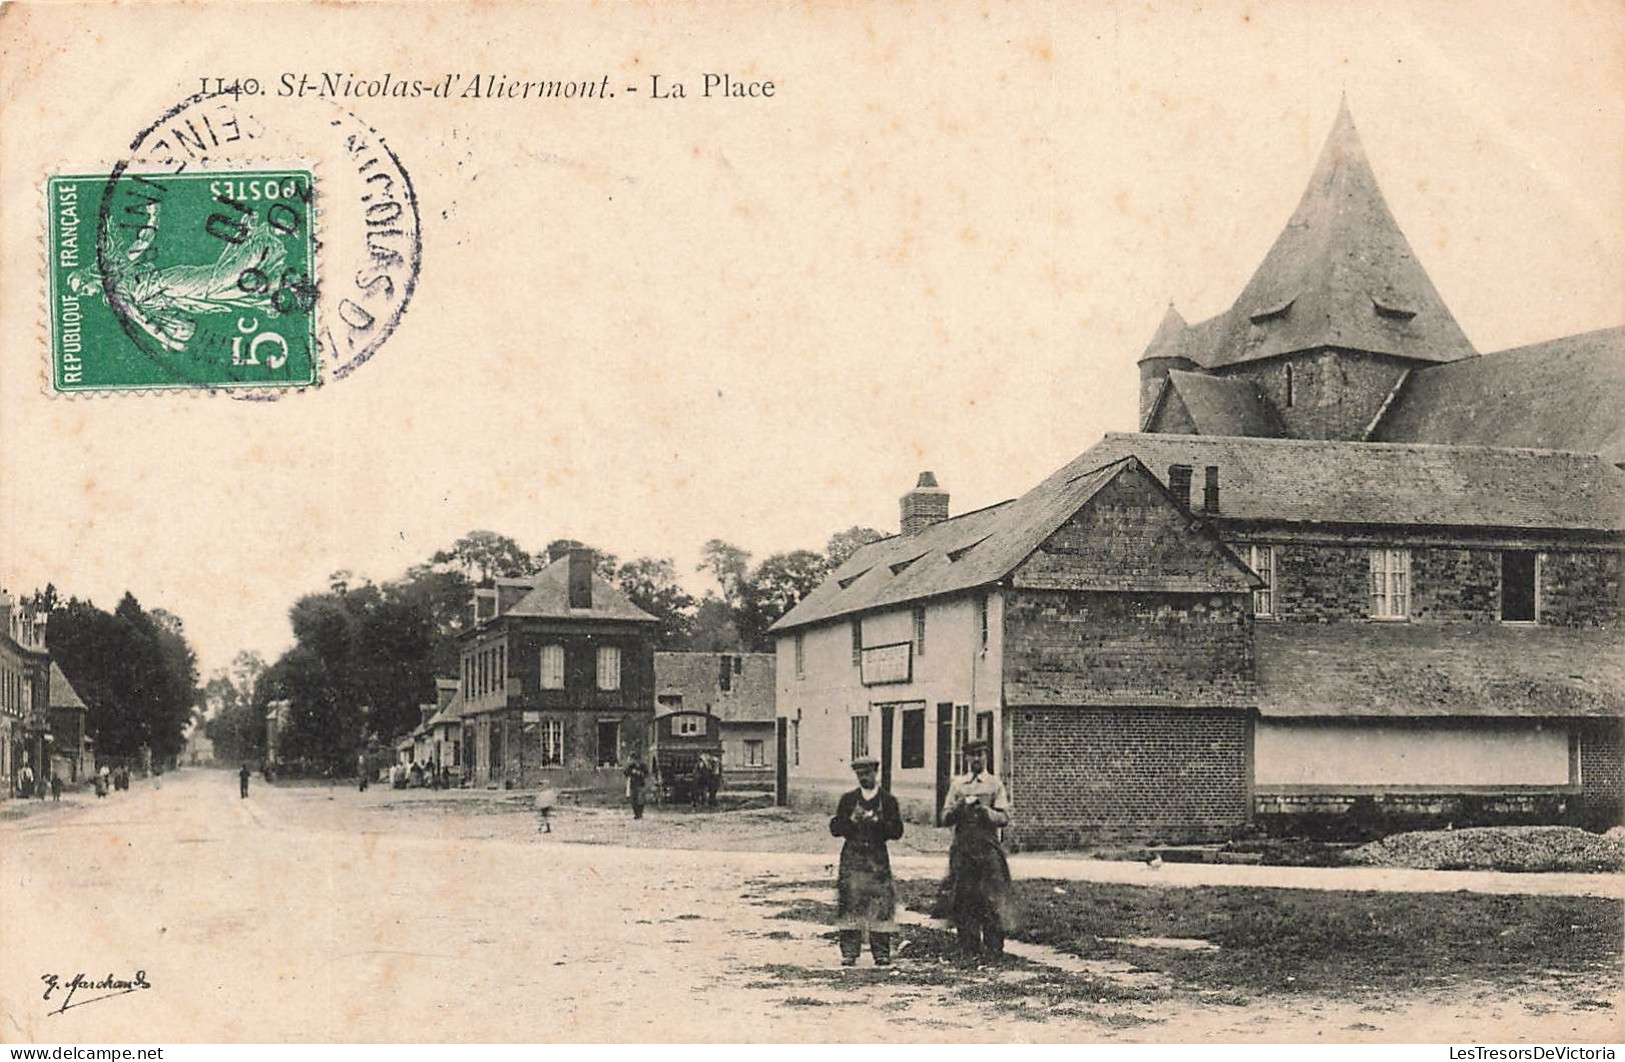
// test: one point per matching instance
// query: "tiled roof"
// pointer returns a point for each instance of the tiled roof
(63, 695)
(1341, 274)
(550, 598)
(1220, 405)
(1564, 394)
(1411, 669)
(451, 713)
(1405, 484)
(696, 678)
(965, 552)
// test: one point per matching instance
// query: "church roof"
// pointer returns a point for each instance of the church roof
(1564, 394)
(1170, 338)
(1341, 274)
(1220, 405)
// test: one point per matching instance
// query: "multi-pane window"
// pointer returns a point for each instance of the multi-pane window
(801, 655)
(688, 726)
(860, 736)
(961, 736)
(609, 667)
(1261, 559)
(913, 751)
(552, 667)
(552, 742)
(982, 621)
(857, 642)
(1518, 586)
(1390, 583)
(753, 753)
(919, 631)
(795, 742)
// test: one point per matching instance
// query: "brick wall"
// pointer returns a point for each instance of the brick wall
(1602, 772)
(1082, 647)
(1322, 584)
(1335, 393)
(1580, 589)
(1455, 585)
(1084, 775)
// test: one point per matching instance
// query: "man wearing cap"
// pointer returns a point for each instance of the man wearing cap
(866, 899)
(979, 876)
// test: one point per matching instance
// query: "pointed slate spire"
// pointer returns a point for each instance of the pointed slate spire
(1341, 274)
(1170, 338)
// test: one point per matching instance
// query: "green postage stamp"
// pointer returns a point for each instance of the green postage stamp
(194, 281)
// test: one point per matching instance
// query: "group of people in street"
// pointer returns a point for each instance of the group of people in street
(977, 890)
(28, 785)
(112, 780)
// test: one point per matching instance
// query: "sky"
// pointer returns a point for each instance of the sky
(941, 245)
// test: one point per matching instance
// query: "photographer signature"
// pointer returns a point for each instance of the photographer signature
(108, 987)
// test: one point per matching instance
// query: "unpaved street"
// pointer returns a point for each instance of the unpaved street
(312, 914)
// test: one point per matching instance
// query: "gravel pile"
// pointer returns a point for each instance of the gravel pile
(1530, 848)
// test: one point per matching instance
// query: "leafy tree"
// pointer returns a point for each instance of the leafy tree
(729, 566)
(714, 629)
(486, 555)
(231, 720)
(842, 544)
(773, 589)
(651, 584)
(606, 564)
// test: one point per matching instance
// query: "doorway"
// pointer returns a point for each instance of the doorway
(945, 754)
(609, 742)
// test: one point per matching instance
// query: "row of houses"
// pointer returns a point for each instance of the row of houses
(42, 718)
(1348, 570)
(560, 684)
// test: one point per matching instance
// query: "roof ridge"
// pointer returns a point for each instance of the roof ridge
(1459, 447)
(1588, 333)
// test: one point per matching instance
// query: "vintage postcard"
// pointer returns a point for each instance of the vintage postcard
(973, 522)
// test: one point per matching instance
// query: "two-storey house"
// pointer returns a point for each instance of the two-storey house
(557, 679)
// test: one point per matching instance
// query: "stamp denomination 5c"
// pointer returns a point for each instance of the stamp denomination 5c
(182, 280)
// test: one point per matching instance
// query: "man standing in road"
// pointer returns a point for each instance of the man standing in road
(636, 776)
(979, 875)
(242, 782)
(865, 897)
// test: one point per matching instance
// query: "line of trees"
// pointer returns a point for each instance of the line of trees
(366, 654)
(134, 669)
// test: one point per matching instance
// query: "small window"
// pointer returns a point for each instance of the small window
(688, 726)
(795, 742)
(860, 736)
(670, 702)
(857, 641)
(725, 673)
(609, 667)
(1289, 387)
(552, 742)
(913, 750)
(1518, 568)
(753, 753)
(982, 621)
(1390, 583)
(552, 667)
(919, 631)
(502, 667)
(801, 655)
(1262, 560)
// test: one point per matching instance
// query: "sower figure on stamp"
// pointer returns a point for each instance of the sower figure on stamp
(866, 899)
(978, 874)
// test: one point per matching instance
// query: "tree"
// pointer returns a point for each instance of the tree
(842, 544)
(606, 564)
(714, 629)
(486, 555)
(230, 718)
(651, 584)
(773, 589)
(729, 566)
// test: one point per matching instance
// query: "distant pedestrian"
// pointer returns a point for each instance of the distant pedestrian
(242, 782)
(637, 775)
(25, 781)
(866, 897)
(101, 784)
(361, 770)
(157, 777)
(713, 781)
(56, 788)
(978, 873)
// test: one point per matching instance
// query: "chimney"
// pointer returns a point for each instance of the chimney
(925, 505)
(1179, 482)
(581, 578)
(1210, 490)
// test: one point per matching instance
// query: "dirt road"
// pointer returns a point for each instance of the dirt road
(317, 915)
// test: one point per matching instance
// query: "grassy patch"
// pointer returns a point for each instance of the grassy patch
(1288, 940)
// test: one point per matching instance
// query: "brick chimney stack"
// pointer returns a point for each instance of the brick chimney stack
(1179, 483)
(925, 505)
(581, 561)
